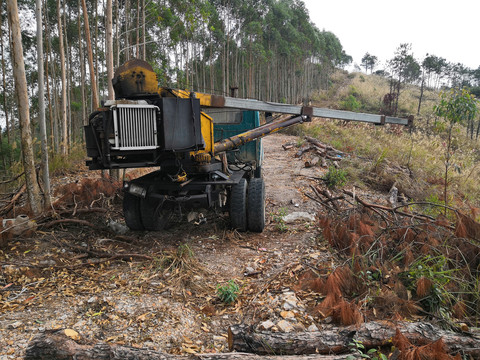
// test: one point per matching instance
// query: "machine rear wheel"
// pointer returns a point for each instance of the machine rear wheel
(238, 206)
(131, 212)
(256, 205)
(154, 216)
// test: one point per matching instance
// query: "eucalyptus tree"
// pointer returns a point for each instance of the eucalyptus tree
(41, 105)
(21, 92)
(369, 62)
(404, 69)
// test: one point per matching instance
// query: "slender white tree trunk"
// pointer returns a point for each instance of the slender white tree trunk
(21, 92)
(41, 106)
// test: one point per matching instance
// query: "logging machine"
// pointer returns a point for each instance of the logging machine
(207, 149)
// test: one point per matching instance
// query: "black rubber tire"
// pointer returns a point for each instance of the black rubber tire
(256, 205)
(154, 216)
(258, 172)
(131, 212)
(238, 206)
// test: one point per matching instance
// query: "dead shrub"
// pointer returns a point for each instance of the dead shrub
(434, 351)
(345, 313)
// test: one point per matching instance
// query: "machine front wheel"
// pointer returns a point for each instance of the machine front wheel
(256, 205)
(238, 206)
(154, 216)
(131, 212)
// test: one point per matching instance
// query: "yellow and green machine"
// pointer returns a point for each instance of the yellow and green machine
(206, 149)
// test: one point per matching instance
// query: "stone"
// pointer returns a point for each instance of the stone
(287, 314)
(298, 216)
(266, 325)
(284, 326)
(312, 328)
(14, 325)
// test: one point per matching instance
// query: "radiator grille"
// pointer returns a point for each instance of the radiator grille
(135, 127)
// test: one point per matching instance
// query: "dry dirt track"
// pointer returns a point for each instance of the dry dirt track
(170, 303)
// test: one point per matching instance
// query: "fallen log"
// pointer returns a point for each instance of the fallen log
(323, 146)
(288, 146)
(303, 149)
(243, 338)
(312, 162)
(56, 345)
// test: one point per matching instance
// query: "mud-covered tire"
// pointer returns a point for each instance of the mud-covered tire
(238, 206)
(131, 212)
(256, 205)
(154, 216)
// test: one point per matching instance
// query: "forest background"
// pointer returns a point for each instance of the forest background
(269, 50)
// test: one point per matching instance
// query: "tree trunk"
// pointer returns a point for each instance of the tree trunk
(144, 55)
(114, 173)
(21, 91)
(421, 94)
(137, 33)
(69, 82)
(82, 68)
(63, 144)
(55, 345)
(243, 338)
(41, 106)
(10, 136)
(90, 57)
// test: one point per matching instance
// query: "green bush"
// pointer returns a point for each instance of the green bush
(228, 293)
(350, 104)
(335, 177)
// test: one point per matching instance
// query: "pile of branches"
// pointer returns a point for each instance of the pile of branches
(319, 153)
(405, 263)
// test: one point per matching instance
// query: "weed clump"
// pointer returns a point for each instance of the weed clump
(335, 178)
(228, 293)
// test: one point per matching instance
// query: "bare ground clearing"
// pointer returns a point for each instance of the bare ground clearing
(168, 303)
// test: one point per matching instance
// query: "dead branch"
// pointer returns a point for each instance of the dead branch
(69, 221)
(12, 180)
(14, 199)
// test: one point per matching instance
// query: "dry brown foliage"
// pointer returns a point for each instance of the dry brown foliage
(85, 192)
(346, 313)
(424, 287)
(433, 351)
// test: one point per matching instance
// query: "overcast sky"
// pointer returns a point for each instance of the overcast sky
(449, 29)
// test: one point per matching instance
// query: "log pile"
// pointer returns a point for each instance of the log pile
(320, 152)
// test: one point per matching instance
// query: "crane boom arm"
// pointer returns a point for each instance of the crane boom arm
(208, 100)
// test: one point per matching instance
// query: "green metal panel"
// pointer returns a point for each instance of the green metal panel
(249, 152)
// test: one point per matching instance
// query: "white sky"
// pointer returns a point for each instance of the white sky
(445, 28)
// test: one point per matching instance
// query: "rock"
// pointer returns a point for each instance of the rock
(393, 196)
(117, 227)
(287, 314)
(284, 326)
(217, 338)
(266, 325)
(92, 299)
(14, 325)
(192, 216)
(312, 328)
(298, 216)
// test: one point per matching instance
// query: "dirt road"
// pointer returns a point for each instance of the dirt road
(169, 303)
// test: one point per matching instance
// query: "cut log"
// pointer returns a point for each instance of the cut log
(303, 149)
(311, 163)
(55, 345)
(288, 146)
(244, 338)
(322, 146)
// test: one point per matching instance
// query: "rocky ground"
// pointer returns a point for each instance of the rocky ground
(160, 289)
